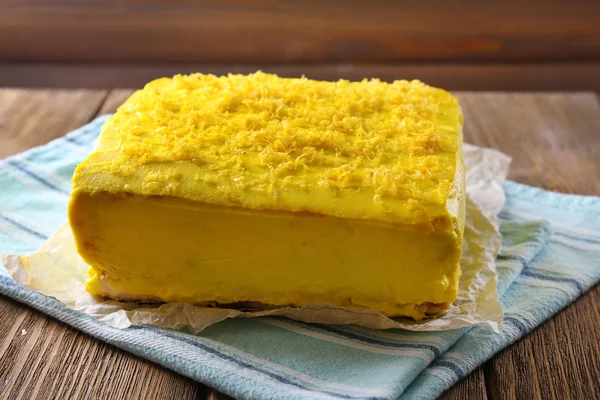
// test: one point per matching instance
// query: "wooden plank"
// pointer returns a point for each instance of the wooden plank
(298, 31)
(529, 76)
(552, 137)
(41, 357)
(471, 387)
(554, 142)
(114, 100)
(514, 374)
(31, 118)
(47, 359)
(558, 360)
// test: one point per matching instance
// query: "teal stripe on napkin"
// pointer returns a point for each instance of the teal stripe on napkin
(550, 256)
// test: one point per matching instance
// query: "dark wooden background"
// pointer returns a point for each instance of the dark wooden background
(474, 45)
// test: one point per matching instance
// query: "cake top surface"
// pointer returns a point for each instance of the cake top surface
(366, 150)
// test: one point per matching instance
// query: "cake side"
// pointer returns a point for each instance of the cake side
(170, 249)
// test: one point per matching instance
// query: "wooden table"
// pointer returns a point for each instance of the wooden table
(554, 139)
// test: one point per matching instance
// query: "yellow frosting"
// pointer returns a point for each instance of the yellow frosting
(366, 150)
(283, 191)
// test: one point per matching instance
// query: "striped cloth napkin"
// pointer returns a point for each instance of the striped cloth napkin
(550, 256)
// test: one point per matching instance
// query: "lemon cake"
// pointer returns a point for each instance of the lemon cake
(276, 191)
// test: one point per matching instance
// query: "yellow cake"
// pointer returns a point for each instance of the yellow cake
(256, 188)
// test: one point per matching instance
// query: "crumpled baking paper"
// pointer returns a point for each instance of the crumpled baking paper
(57, 270)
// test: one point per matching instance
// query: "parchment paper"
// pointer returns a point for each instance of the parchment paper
(57, 270)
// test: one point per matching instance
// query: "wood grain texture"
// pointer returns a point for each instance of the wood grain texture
(43, 358)
(558, 360)
(31, 118)
(114, 100)
(452, 76)
(472, 387)
(286, 31)
(554, 140)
